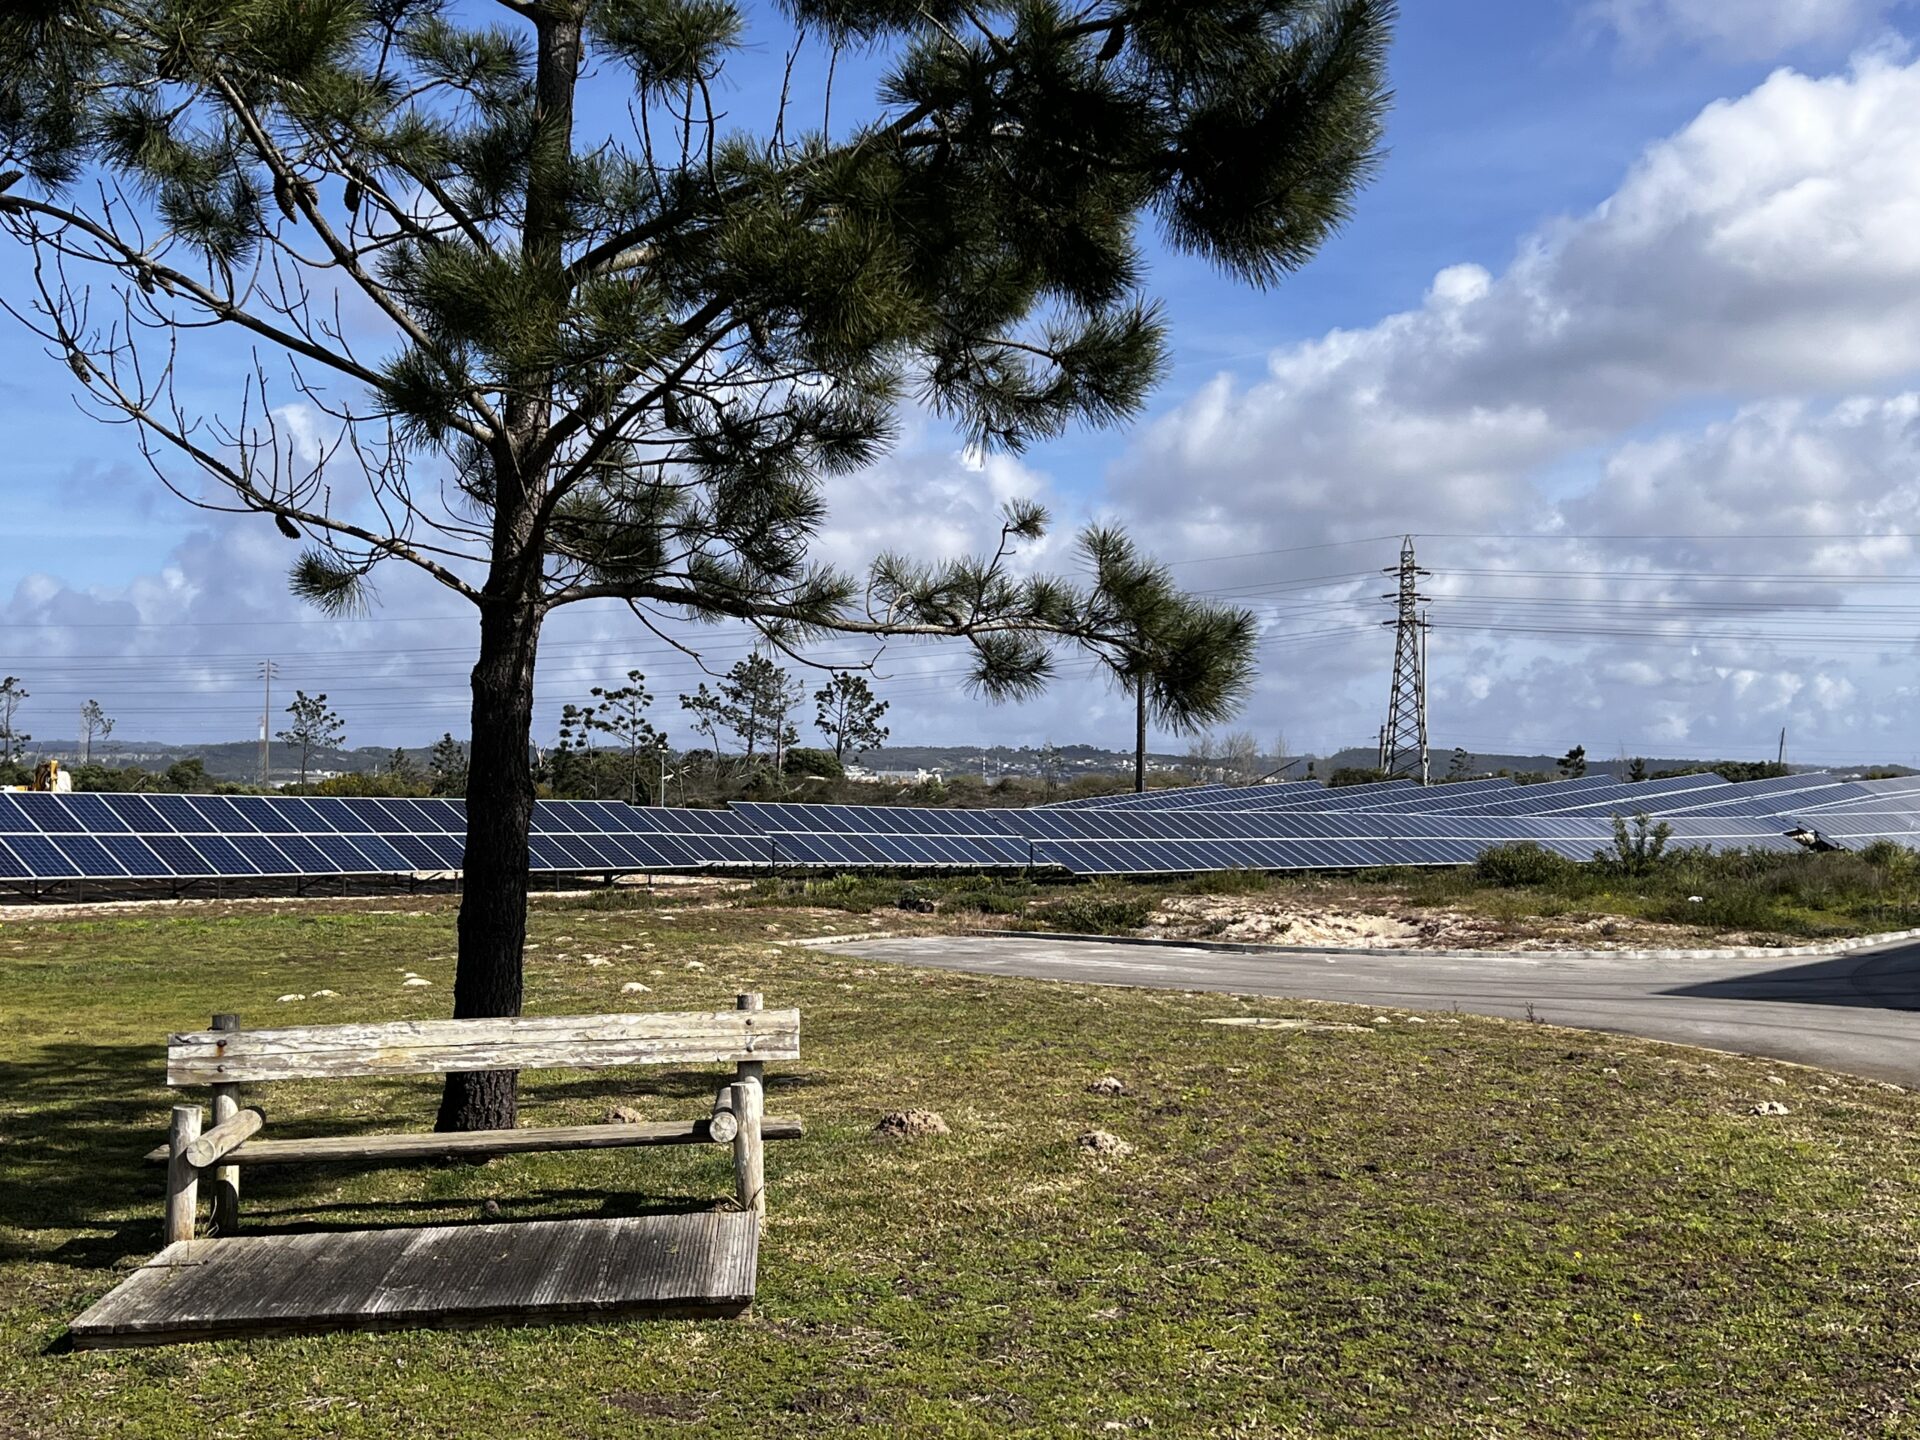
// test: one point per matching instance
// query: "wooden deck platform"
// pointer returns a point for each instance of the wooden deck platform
(530, 1272)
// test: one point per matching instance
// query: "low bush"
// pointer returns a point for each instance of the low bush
(1639, 847)
(990, 896)
(1521, 863)
(1098, 911)
(1229, 882)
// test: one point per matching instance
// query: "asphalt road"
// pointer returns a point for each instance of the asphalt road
(1858, 1013)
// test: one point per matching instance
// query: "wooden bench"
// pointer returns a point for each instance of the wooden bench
(449, 1275)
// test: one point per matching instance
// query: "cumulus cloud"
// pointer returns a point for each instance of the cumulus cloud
(1760, 256)
(1739, 29)
(1765, 248)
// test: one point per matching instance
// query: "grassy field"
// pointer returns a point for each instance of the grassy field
(1432, 1226)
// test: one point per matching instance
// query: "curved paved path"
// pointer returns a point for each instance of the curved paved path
(1858, 1012)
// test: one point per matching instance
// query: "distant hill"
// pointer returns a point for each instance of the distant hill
(232, 759)
(240, 760)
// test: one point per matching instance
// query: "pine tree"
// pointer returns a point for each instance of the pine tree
(622, 713)
(756, 696)
(848, 715)
(13, 695)
(573, 770)
(93, 721)
(1573, 764)
(625, 358)
(313, 727)
(1187, 663)
(447, 767)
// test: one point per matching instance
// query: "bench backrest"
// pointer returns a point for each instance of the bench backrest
(427, 1047)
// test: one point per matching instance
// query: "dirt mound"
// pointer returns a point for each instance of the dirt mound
(1104, 1145)
(910, 1124)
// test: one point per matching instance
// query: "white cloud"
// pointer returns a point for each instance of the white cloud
(1766, 248)
(1739, 29)
(1753, 264)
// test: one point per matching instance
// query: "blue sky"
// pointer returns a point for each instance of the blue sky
(1631, 268)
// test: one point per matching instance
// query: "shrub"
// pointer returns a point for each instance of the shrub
(1099, 912)
(1229, 882)
(806, 760)
(1639, 847)
(985, 902)
(1520, 863)
(1353, 775)
(917, 898)
(1891, 858)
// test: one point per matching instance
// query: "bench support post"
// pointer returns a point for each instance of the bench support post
(226, 1178)
(183, 1181)
(749, 1107)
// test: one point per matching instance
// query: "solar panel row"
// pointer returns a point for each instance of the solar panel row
(886, 835)
(109, 837)
(173, 837)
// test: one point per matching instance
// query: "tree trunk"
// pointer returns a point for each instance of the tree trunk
(1140, 738)
(493, 899)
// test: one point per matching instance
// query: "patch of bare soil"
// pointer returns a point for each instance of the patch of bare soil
(1290, 919)
(1279, 920)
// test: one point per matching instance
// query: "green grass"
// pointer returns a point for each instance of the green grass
(1452, 1228)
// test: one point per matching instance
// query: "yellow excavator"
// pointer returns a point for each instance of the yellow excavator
(47, 775)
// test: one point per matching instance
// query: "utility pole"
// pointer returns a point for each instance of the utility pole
(1403, 740)
(1782, 760)
(267, 671)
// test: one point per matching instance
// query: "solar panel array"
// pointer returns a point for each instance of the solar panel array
(46, 838)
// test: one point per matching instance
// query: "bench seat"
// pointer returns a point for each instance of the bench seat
(433, 1146)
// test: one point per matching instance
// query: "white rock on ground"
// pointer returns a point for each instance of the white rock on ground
(1770, 1107)
(416, 980)
(634, 987)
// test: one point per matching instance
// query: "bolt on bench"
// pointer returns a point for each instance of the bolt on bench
(701, 1264)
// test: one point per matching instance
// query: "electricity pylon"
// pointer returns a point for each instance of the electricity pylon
(1403, 741)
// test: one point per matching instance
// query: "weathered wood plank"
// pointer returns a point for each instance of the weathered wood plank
(228, 1135)
(541, 1271)
(422, 1047)
(183, 1179)
(749, 1109)
(428, 1146)
(225, 1189)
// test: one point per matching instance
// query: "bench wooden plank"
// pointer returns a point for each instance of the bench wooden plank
(538, 1271)
(527, 1042)
(430, 1146)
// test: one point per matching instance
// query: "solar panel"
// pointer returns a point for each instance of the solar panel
(12, 867)
(46, 837)
(158, 837)
(1299, 795)
(1594, 792)
(1093, 802)
(883, 835)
